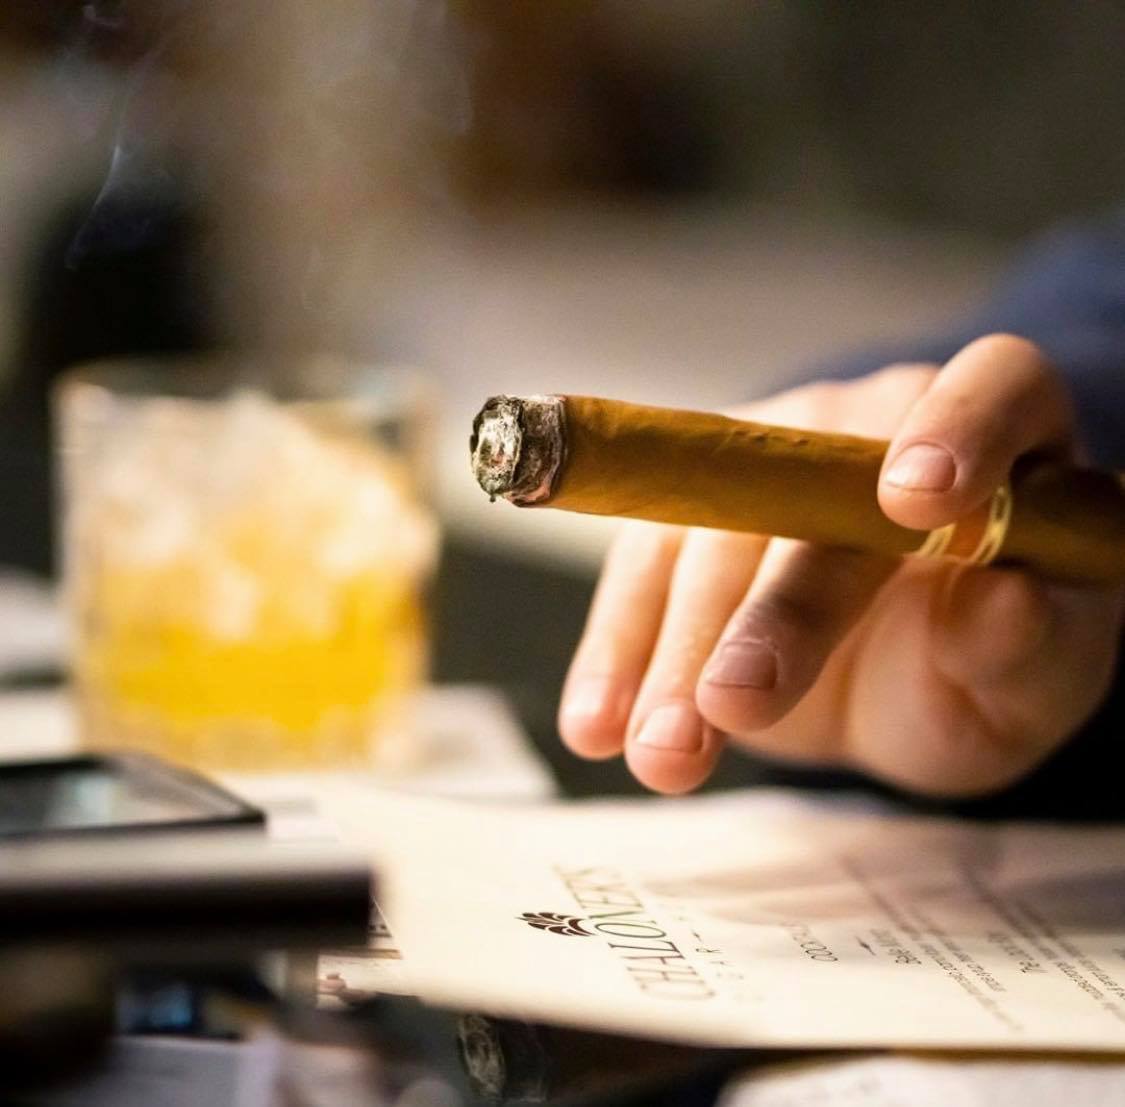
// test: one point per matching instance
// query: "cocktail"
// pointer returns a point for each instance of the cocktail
(246, 573)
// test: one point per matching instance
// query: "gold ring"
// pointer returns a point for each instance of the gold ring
(936, 542)
(996, 529)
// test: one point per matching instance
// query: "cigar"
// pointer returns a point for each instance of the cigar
(607, 457)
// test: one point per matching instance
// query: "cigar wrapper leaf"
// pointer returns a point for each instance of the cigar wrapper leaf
(607, 457)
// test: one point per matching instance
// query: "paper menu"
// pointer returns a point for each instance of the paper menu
(889, 1080)
(758, 920)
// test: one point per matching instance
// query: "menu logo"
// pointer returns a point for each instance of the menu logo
(556, 923)
(637, 940)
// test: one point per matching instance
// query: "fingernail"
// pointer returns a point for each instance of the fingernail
(590, 697)
(923, 468)
(673, 726)
(743, 665)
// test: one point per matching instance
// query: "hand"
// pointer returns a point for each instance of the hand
(938, 678)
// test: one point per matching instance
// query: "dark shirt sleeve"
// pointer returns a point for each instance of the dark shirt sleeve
(1067, 294)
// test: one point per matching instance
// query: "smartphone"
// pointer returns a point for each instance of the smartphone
(113, 793)
(125, 851)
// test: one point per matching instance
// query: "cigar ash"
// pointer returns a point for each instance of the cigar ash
(517, 447)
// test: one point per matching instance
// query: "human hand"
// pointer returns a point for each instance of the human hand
(939, 678)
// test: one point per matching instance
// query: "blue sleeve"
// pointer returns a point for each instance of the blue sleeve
(1066, 294)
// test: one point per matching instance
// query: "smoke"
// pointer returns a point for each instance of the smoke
(399, 62)
(138, 182)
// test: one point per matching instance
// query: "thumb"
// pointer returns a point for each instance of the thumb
(996, 400)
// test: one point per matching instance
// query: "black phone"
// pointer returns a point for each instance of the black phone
(112, 793)
(129, 852)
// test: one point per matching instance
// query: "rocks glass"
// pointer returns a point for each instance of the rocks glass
(245, 557)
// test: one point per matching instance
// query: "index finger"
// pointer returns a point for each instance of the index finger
(621, 629)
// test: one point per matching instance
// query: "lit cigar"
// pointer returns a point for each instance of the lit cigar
(605, 457)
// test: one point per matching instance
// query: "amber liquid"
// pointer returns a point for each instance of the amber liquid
(262, 613)
(287, 695)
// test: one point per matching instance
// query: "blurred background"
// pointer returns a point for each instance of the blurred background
(682, 201)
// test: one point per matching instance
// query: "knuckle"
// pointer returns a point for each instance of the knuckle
(877, 403)
(903, 376)
(1020, 615)
(640, 547)
(813, 393)
(1019, 600)
(816, 592)
(798, 407)
(807, 405)
(1019, 353)
(782, 616)
(1006, 345)
(639, 534)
